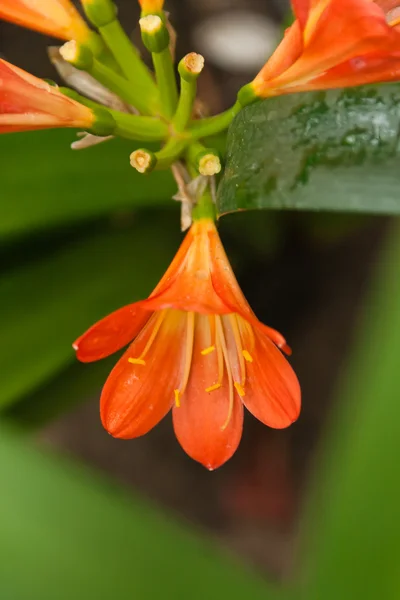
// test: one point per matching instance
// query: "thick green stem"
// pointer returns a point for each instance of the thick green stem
(130, 62)
(135, 127)
(185, 105)
(171, 152)
(166, 81)
(205, 207)
(212, 125)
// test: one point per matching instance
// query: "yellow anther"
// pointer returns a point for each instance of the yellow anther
(247, 356)
(216, 386)
(239, 389)
(136, 361)
(208, 350)
(177, 398)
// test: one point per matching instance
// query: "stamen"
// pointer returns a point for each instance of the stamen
(224, 352)
(136, 361)
(188, 359)
(247, 356)
(239, 389)
(238, 342)
(214, 387)
(208, 350)
(156, 327)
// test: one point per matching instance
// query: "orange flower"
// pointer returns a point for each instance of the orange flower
(198, 349)
(29, 103)
(332, 44)
(58, 18)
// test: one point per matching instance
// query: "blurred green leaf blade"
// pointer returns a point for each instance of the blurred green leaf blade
(47, 303)
(334, 150)
(78, 537)
(353, 517)
(45, 184)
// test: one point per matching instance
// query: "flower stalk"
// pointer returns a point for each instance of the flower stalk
(156, 38)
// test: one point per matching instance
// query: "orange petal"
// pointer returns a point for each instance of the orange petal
(137, 396)
(208, 425)
(343, 30)
(58, 18)
(187, 283)
(272, 390)
(27, 103)
(370, 68)
(111, 333)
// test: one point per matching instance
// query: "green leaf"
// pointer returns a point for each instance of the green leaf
(354, 518)
(44, 183)
(50, 301)
(335, 150)
(67, 534)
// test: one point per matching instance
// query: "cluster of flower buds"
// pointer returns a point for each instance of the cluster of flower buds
(196, 347)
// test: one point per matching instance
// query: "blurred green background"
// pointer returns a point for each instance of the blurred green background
(309, 512)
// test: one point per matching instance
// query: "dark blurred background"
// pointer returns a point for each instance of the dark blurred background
(303, 274)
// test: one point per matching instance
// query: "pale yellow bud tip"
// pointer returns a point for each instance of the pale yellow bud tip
(209, 165)
(194, 63)
(142, 161)
(70, 51)
(150, 24)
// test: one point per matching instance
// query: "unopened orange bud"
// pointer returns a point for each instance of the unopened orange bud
(151, 7)
(58, 18)
(30, 103)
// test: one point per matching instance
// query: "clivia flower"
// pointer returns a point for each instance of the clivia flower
(334, 44)
(197, 348)
(58, 18)
(28, 103)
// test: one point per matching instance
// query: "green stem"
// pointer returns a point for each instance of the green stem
(212, 125)
(120, 86)
(166, 81)
(130, 62)
(205, 207)
(133, 127)
(171, 152)
(185, 104)
(136, 127)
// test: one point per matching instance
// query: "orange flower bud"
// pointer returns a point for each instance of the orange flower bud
(58, 18)
(151, 7)
(333, 44)
(27, 103)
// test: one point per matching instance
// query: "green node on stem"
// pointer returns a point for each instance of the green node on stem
(247, 95)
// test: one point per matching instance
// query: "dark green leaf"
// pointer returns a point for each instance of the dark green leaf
(354, 518)
(335, 150)
(47, 303)
(44, 183)
(68, 535)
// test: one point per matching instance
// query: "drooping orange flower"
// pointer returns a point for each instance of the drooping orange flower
(333, 44)
(27, 103)
(58, 18)
(197, 348)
